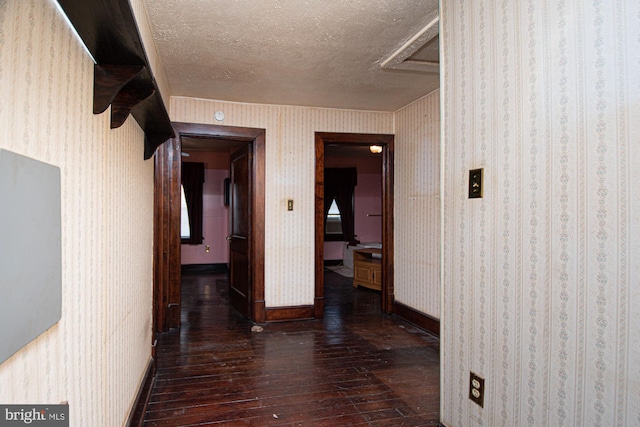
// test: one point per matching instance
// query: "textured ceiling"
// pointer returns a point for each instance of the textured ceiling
(321, 53)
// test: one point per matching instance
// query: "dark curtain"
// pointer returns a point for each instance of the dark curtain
(192, 181)
(339, 184)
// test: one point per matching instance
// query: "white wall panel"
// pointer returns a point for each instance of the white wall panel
(95, 356)
(541, 275)
(417, 205)
(290, 174)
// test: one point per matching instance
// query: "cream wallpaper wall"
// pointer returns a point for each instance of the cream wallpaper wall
(290, 174)
(95, 357)
(417, 205)
(541, 277)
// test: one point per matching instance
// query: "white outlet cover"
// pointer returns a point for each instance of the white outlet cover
(219, 116)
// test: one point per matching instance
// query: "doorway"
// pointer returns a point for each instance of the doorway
(167, 242)
(322, 139)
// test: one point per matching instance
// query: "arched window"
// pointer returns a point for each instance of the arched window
(339, 186)
(333, 224)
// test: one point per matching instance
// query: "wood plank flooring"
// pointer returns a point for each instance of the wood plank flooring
(355, 367)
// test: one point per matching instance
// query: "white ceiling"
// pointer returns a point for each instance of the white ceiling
(321, 53)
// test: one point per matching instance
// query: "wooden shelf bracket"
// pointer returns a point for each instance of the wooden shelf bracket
(108, 81)
(122, 75)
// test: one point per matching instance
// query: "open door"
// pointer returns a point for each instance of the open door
(240, 231)
(386, 280)
(249, 255)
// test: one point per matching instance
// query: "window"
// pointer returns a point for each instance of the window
(192, 183)
(185, 229)
(339, 186)
(333, 224)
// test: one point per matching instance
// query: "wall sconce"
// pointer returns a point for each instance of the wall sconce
(375, 149)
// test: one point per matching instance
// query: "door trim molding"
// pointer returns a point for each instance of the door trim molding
(166, 237)
(386, 141)
(167, 216)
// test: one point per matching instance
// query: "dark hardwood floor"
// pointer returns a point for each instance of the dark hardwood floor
(355, 367)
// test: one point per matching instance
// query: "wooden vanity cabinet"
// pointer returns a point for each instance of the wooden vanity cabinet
(367, 268)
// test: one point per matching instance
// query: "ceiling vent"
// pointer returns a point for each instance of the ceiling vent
(419, 53)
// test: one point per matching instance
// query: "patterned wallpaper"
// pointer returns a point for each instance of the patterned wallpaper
(290, 166)
(417, 205)
(95, 357)
(541, 277)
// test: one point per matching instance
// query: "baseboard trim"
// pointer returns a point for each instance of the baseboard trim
(284, 314)
(136, 417)
(418, 318)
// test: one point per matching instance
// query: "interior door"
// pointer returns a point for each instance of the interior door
(240, 231)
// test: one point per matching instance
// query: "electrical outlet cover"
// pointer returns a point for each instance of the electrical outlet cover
(476, 389)
(475, 183)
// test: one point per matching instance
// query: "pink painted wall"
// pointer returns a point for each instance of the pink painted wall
(368, 200)
(215, 215)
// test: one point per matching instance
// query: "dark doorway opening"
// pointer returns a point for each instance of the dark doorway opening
(322, 142)
(167, 242)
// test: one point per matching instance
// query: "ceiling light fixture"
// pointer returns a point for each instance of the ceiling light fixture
(375, 149)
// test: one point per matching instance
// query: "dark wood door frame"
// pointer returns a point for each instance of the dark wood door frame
(386, 141)
(166, 281)
(240, 230)
(166, 246)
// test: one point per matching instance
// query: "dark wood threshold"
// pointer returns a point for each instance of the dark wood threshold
(419, 319)
(204, 268)
(284, 314)
(136, 417)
